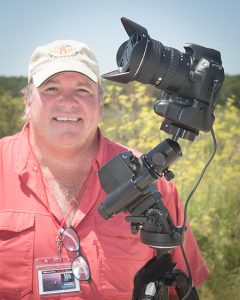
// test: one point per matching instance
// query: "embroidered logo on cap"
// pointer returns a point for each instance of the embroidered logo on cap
(64, 50)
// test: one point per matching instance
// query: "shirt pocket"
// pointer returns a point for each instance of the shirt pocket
(121, 254)
(16, 253)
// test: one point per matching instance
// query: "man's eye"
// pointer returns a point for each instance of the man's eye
(51, 88)
(83, 91)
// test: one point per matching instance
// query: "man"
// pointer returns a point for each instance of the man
(49, 181)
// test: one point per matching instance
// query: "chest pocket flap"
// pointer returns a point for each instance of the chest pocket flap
(16, 253)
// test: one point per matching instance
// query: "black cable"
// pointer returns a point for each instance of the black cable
(211, 104)
(215, 87)
(200, 177)
(186, 205)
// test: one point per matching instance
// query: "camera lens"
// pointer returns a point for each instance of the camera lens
(172, 67)
(164, 67)
(148, 61)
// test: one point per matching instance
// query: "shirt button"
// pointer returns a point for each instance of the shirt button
(35, 169)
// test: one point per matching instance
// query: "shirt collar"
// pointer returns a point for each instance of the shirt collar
(23, 150)
(100, 156)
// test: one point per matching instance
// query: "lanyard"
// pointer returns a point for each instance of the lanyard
(75, 201)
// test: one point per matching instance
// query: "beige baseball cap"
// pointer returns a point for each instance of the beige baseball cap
(60, 56)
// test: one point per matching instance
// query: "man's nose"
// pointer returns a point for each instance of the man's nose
(67, 98)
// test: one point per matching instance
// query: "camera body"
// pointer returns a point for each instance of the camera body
(204, 66)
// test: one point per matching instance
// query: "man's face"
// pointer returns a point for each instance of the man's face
(65, 110)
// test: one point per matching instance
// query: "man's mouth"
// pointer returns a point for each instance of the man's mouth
(65, 119)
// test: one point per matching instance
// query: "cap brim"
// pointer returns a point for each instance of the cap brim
(54, 68)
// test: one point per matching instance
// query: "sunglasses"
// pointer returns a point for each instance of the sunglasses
(80, 267)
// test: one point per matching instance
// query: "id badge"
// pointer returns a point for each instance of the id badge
(55, 276)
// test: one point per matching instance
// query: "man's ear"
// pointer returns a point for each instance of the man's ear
(101, 101)
(101, 96)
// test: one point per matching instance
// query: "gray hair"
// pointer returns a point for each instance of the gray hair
(27, 93)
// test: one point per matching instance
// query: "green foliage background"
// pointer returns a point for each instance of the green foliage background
(214, 211)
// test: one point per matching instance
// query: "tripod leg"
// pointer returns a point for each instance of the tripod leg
(163, 295)
(184, 286)
(156, 271)
(151, 293)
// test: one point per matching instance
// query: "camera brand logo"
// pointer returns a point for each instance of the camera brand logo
(64, 50)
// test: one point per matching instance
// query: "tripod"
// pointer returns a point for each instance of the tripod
(153, 280)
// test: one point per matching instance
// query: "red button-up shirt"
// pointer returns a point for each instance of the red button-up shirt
(27, 230)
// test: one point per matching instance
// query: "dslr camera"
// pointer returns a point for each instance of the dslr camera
(190, 80)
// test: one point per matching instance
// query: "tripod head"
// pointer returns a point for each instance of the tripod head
(131, 190)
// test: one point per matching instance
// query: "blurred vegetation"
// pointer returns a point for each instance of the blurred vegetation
(11, 104)
(11, 113)
(214, 211)
(13, 85)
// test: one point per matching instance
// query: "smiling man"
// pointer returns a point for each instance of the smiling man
(53, 242)
(69, 103)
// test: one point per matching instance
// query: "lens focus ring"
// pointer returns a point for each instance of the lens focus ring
(172, 69)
